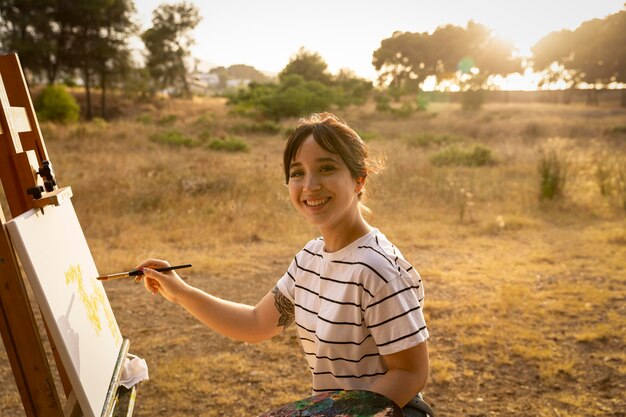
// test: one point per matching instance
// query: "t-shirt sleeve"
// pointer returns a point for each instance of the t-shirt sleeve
(394, 316)
(287, 284)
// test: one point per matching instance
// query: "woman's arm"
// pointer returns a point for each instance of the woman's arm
(238, 321)
(406, 376)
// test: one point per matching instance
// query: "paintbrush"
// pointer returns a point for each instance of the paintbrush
(137, 272)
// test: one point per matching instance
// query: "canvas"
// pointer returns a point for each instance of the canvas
(58, 263)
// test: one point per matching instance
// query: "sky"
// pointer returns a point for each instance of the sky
(267, 33)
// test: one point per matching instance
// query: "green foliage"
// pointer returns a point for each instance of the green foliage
(351, 89)
(229, 144)
(368, 135)
(172, 137)
(472, 99)
(533, 130)
(610, 175)
(552, 174)
(168, 43)
(144, 119)
(421, 102)
(478, 155)
(56, 104)
(308, 65)
(406, 59)
(167, 120)
(385, 104)
(426, 139)
(593, 53)
(305, 87)
(266, 127)
(617, 130)
(382, 102)
(293, 97)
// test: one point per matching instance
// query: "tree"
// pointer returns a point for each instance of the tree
(406, 59)
(309, 65)
(96, 42)
(594, 53)
(30, 27)
(168, 44)
(351, 89)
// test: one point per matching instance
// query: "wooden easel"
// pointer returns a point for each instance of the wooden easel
(28, 182)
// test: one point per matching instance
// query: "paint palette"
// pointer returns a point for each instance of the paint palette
(339, 404)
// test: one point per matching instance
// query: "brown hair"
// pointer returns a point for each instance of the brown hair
(334, 136)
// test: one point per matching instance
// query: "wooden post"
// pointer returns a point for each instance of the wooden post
(19, 132)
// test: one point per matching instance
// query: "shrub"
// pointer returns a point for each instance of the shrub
(57, 105)
(266, 127)
(552, 174)
(617, 130)
(293, 97)
(172, 137)
(229, 144)
(426, 139)
(382, 103)
(144, 119)
(167, 120)
(478, 155)
(421, 101)
(533, 130)
(472, 99)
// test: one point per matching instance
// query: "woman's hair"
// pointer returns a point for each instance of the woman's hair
(334, 136)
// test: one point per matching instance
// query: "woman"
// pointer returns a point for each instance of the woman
(356, 302)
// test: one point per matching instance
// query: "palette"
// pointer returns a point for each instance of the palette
(339, 404)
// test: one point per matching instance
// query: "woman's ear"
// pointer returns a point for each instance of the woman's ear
(360, 184)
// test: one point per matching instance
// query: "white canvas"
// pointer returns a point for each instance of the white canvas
(62, 273)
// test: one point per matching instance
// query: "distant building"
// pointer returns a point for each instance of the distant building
(237, 83)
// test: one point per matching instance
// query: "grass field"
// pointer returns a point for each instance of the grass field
(525, 296)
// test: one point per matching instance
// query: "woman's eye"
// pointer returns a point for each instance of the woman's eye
(295, 174)
(327, 168)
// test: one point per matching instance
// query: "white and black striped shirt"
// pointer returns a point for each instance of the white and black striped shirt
(351, 307)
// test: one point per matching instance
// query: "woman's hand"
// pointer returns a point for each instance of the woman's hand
(168, 284)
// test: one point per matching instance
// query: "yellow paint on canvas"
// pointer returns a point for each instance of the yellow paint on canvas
(93, 303)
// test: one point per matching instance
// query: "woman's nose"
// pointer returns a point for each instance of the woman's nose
(312, 183)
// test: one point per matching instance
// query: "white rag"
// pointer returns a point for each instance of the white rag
(134, 371)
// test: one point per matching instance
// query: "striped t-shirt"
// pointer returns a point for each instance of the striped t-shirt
(351, 307)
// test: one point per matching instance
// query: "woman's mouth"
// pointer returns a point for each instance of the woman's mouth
(316, 203)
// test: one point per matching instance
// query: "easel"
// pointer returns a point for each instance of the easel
(28, 182)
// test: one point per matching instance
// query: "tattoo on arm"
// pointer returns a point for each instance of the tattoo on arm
(285, 308)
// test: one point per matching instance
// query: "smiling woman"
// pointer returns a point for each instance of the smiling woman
(356, 302)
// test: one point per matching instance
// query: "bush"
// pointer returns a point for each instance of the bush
(57, 105)
(266, 127)
(472, 99)
(167, 120)
(425, 139)
(382, 103)
(229, 144)
(296, 96)
(476, 156)
(617, 130)
(533, 130)
(144, 119)
(293, 97)
(173, 137)
(552, 174)
(421, 101)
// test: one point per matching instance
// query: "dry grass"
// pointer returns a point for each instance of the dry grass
(525, 299)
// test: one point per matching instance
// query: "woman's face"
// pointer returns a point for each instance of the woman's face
(321, 186)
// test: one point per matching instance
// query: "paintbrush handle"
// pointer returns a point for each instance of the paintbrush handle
(137, 272)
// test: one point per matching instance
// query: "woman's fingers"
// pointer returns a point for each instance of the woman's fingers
(153, 280)
(153, 263)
